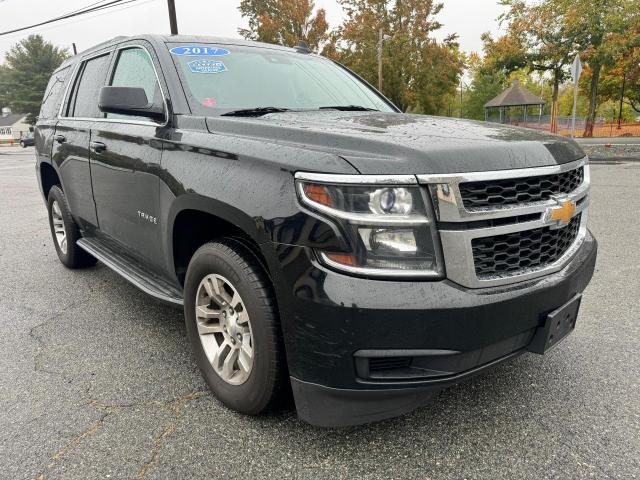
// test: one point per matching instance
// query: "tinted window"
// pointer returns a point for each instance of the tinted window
(53, 94)
(84, 102)
(134, 68)
(238, 77)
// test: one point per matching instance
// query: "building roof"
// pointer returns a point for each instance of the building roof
(11, 119)
(514, 96)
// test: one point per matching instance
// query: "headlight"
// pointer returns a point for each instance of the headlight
(389, 227)
(387, 200)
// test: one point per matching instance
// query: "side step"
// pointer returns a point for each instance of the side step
(125, 264)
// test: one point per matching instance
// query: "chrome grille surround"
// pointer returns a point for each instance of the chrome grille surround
(512, 191)
(457, 225)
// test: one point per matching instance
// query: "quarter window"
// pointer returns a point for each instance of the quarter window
(134, 68)
(84, 102)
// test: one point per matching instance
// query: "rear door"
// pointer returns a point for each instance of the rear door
(70, 152)
(125, 159)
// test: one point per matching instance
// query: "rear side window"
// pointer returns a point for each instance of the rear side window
(92, 76)
(134, 68)
(53, 94)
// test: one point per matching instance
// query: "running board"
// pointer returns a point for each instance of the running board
(126, 265)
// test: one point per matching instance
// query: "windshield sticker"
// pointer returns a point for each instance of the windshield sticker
(209, 102)
(207, 66)
(199, 51)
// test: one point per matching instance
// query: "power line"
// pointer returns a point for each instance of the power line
(95, 14)
(90, 8)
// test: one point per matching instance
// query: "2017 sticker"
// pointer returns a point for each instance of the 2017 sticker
(199, 51)
(207, 66)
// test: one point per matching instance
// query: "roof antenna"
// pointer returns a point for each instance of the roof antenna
(302, 47)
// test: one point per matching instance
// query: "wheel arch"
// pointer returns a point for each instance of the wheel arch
(194, 220)
(48, 178)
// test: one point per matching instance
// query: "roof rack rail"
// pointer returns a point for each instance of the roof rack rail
(302, 47)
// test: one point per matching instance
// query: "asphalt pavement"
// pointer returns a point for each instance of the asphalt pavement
(97, 380)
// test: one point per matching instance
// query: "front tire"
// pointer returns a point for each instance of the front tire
(23, 145)
(232, 325)
(65, 232)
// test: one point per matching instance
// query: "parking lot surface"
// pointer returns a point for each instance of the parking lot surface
(97, 380)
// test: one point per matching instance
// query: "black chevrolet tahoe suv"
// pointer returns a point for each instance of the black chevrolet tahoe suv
(322, 243)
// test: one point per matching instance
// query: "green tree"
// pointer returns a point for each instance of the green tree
(620, 76)
(284, 22)
(419, 73)
(24, 77)
(554, 31)
(486, 83)
(491, 73)
(549, 38)
(505, 55)
(601, 23)
(4, 85)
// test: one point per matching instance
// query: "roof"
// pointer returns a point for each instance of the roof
(156, 38)
(11, 119)
(514, 96)
(217, 40)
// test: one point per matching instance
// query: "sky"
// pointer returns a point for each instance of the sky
(468, 18)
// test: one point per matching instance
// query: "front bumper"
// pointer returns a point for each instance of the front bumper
(334, 324)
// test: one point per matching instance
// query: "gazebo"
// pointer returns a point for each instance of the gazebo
(513, 97)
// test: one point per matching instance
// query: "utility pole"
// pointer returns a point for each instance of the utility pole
(576, 70)
(380, 40)
(75, 50)
(173, 22)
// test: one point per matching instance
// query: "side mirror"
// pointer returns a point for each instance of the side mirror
(129, 101)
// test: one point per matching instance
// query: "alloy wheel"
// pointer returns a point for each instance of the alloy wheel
(224, 329)
(58, 227)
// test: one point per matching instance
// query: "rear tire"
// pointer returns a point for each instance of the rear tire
(224, 276)
(65, 232)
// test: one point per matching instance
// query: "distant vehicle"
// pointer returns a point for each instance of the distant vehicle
(27, 141)
(320, 241)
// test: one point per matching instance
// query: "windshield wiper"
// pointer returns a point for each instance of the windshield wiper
(254, 112)
(350, 108)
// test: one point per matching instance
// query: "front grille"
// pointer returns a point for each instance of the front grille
(495, 193)
(513, 253)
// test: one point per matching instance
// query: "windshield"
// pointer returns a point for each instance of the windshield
(220, 79)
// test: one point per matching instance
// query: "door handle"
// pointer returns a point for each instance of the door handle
(97, 146)
(59, 138)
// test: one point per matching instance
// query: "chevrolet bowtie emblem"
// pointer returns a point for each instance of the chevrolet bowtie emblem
(563, 213)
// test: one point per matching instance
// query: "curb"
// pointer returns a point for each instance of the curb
(613, 159)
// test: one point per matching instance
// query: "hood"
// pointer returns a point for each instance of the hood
(394, 143)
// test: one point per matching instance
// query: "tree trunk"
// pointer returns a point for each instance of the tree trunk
(593, 98)
(554, 101)
(624, 82)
